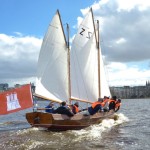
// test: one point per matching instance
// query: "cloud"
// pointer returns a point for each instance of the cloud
(124, 39)
(126, 74)
(18, 57)
(128, 5)
(132, 26)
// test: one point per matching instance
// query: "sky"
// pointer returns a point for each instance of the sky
(124, 36)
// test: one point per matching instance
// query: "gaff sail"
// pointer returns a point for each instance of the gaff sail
(84, 63)
(52, 72)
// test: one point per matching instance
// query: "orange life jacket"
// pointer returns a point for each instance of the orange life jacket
(104, 102)
(117, 105)
(76, 109)
(95, 104)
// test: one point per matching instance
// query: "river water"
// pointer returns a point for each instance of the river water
(130, 132)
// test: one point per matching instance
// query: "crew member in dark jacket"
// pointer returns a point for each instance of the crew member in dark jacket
(118, 104)
(63, 109)
(112, 102)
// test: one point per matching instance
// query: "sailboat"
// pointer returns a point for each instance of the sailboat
(59, 79)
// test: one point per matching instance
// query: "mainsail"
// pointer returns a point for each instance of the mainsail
(84, 63)
(52, 72)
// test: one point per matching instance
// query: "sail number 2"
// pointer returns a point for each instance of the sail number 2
(87, 34)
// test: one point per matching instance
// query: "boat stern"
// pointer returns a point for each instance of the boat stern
(39, 119)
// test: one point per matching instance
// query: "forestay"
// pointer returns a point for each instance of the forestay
(52, 72)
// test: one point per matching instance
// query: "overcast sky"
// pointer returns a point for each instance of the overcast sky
(124, 33)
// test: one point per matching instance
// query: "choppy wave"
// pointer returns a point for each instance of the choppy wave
(95, 131)
(36, 138)
(120, 133)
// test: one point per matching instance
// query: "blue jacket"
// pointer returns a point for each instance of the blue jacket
(50, 110)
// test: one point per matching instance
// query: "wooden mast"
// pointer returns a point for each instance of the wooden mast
(68, 60)
(98, 53)
(99, 85)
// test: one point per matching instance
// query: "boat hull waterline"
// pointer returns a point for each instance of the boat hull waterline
(59, 122)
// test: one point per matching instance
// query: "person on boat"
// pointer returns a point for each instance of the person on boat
(112, 103)
(105, 103)
(64, 109)
(75, 108)
(117, 105)
(96, 107)
(49, 108)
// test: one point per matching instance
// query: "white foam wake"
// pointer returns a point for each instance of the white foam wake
(95, 131)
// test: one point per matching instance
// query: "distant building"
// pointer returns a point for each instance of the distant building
(121, 92)
(132, 92)
(33, 87)
(4, 87)
(17, 85)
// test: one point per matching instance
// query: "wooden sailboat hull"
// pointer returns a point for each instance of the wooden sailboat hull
(58, 122)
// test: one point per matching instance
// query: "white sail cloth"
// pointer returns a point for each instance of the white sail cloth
(52, 72)
(84, 63)
(52, 80)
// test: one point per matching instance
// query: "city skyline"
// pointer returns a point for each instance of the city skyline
(123, 92)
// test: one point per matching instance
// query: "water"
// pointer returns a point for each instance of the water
(130, 132)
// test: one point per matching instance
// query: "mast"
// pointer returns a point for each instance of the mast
(99, 85)
(98, 52)
(68, 60)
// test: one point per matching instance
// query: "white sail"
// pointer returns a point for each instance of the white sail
(84, 63)
(85, 83)
(104, 90)
(52, 72)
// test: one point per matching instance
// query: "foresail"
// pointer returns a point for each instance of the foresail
(84, 33)
(86, 81)
(105, 90)
(103, 78)
(84, 63)
(52, 72)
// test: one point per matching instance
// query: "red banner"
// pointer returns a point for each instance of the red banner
(16, 99)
